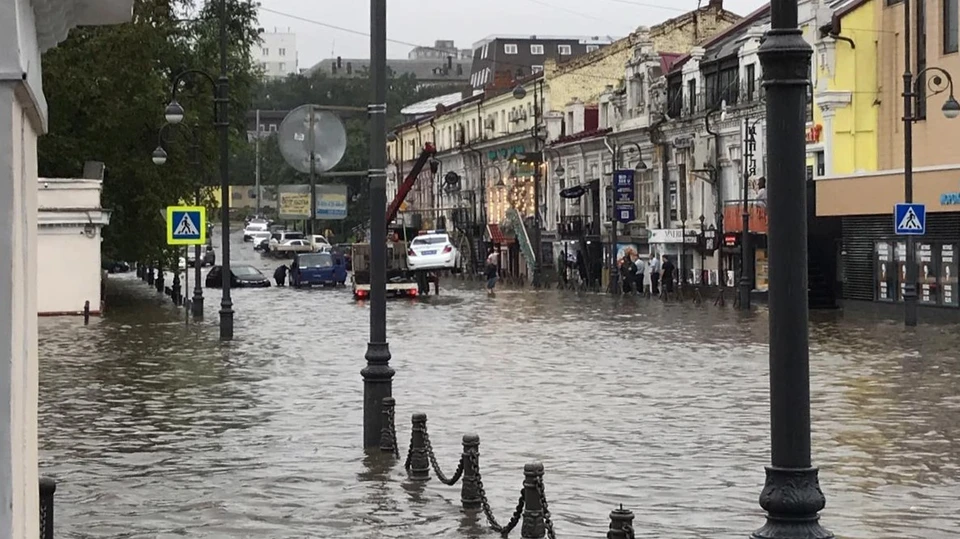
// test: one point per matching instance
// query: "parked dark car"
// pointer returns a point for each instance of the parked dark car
(115, 266)
(243, 276)
(320, 269)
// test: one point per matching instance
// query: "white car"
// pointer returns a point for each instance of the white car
(258, 236)
(432, 251)
(252, 228)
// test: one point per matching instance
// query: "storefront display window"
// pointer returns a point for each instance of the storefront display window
(929, 289)
(762, 268)
(886, 272)
(948, 274)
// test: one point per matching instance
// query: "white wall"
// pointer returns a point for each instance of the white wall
(275, 64)
(19, 506)
(70, 271)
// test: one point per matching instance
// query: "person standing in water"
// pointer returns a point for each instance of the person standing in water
(491, 271)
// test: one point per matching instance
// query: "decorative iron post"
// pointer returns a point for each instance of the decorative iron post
(533, 526)
(419, 460)
(48, 487)
(377, 375)
(791, 494)
(621, 524)
(470, 487)
(159, 280)
(388, 434)
(149, 275)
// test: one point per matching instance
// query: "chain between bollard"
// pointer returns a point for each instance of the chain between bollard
(388, 433)
(492, 520)
(628, 530)
(436, 467)
(547, 522)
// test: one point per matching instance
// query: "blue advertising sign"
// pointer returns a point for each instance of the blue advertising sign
(624, 200)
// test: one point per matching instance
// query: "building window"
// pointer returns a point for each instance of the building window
(564, 50)
(536, 49)
(483, 52)
(263, 128)
(591, 48)
(510, 48)
(273, 128)
(674, 98)
(536, 69)
(950, 30)
(265, 51)
(751, 81)
(692, 95)
(710, 90)
(283, 66)
(282, 52)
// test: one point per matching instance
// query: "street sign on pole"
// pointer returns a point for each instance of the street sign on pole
(910, 219)
(186, 225)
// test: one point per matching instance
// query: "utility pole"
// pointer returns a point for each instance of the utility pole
(258, 161)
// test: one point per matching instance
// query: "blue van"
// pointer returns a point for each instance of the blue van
(320, 269)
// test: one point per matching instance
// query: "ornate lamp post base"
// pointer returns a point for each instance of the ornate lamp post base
(792, 499)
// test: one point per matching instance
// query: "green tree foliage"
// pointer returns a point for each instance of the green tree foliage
(320, 89)
(107, 87)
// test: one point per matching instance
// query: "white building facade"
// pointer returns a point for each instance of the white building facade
(277, 54)
(27, 28)
(68, 246)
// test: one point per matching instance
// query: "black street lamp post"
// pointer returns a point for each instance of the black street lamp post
(616, 152)
(912, 93)
(791, 494)
(377, 375)
(221, 107)
(159, 158)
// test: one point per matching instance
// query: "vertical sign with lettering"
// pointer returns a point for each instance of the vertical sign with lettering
(948, 274)
(886, 272)
(625, 196)
(928, 274)
(901, 268)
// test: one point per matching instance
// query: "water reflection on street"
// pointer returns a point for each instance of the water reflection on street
(154, 429)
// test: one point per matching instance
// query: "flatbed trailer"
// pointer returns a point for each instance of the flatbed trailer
(400, 282)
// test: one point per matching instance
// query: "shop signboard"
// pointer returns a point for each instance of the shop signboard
(886, 272)
(928, 274)
(948, 274)
(294, 202)
(331, 202)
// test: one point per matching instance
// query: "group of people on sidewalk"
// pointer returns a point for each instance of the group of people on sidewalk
(655, 276)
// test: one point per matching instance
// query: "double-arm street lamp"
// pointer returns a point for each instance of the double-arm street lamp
(912, 94)
(159, 158)
(519, 93)
(221, 107)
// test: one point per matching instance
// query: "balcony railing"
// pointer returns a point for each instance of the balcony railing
(742, 93)
(733, 216)
(576, 226)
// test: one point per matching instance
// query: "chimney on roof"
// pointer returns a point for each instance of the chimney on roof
(339, 62)
(715, 4)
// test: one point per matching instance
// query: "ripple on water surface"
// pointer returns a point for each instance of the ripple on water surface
(155, 430)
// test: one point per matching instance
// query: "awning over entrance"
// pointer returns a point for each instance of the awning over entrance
(496, 235)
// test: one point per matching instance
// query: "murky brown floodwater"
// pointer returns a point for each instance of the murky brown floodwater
(155, 430)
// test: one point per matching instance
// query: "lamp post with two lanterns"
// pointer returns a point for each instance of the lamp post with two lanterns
(912, 94)
(174, 115)
(159, 157)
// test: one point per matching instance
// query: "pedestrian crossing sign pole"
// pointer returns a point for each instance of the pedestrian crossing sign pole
(910, 219)
(186, 225)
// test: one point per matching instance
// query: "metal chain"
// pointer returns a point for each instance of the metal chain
(547, 522)
(494, 525)
(436, 467)
(628, 530)
(406, 465)
(393, 432)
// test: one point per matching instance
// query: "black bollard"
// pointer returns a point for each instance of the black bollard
(388, 434)
(86, 312)
(47, 488)
(533, 525)
(159, 281)
(621, 524)
(150, 275)
(175, 291)
(470, 488)
(419, 461)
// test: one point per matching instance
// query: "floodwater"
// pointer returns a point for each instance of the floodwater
(153, 429)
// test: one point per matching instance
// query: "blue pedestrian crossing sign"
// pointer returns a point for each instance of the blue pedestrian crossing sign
(910, 219)
(186, 225)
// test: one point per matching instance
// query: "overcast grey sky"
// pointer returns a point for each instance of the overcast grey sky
(422, 22)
